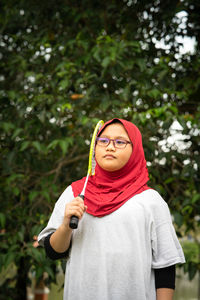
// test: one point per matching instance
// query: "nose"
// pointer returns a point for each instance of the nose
(111, 146)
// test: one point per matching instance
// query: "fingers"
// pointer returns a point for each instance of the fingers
(75, 211)
(75, 208)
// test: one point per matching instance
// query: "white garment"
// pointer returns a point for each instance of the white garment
(113, 257)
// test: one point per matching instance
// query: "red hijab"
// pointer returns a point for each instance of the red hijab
(107, 191)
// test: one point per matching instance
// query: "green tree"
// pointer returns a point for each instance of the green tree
(66, 64)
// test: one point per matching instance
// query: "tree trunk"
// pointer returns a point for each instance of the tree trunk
(22, 280)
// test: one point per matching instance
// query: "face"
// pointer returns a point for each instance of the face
(110, 158)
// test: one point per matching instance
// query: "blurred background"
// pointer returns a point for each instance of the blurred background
(63, 66)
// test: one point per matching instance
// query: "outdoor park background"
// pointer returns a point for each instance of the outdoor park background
(63, 66)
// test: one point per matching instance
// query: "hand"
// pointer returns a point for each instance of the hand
(74, 208)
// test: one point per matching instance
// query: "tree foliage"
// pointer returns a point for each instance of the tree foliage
(67, 64)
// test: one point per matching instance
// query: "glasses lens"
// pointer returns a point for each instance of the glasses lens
(102, 141)
(120, 144)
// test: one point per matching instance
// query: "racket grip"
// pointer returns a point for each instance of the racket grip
(74, 219)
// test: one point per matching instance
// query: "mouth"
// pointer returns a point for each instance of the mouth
(109, 156)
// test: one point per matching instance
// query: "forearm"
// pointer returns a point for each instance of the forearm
(164, 294)
(60, 239)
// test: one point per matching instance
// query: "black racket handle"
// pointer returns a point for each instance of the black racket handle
(74, 219)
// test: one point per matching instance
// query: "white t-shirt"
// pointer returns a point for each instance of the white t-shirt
(113, 257)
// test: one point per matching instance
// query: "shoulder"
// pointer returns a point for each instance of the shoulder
(65, 197)
(155, 204)
(153, 198)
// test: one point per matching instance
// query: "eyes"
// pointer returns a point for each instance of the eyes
(105, 141)
(118, 143)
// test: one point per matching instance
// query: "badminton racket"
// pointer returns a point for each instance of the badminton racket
(91, 170)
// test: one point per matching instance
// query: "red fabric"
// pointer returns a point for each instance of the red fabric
(107, 191)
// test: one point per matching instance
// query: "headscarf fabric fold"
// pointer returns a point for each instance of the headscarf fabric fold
(107, 191)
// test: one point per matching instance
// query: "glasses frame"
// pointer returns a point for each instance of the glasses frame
(114, 142)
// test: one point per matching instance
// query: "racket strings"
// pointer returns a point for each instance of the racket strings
(92, 161)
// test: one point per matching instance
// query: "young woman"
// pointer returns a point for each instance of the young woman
(125, 246)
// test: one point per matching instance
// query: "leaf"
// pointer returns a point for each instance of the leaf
(105, 62)
(49, 271)
(64, 84)
(9, 257)
(96, 54)
(64, 146)
(14, 177)
(169, 180)
(162, 74)
(12, 95)
(36, 254)
(45, 193)
(24, 145)
(39, 273)
(154, 93)
(20, 235)
(2, 220)
(37, 146)
(141, 63)
(192, 270)
(16, 191)
(7, 126)
(126, 93)
(65, 143)
(32, 195)
(66, 106)
(178, 219)
(187, 209)
(173, 109)
(17, 132)
(53, 144)
(195, 198)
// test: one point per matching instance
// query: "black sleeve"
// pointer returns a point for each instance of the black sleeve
(165, 277)
(50, 252)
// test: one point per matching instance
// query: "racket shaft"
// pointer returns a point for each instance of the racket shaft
(84, 187)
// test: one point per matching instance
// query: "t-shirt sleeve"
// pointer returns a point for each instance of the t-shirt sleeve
(166, 249)
(57, 215)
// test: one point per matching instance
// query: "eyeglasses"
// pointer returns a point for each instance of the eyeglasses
(119, 144)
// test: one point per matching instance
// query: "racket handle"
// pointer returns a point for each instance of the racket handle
(74, 219)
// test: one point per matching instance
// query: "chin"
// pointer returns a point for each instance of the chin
(110, 168)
